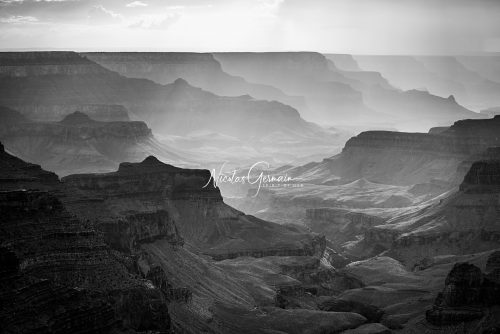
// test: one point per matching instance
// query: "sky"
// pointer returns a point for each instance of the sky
(330, 26)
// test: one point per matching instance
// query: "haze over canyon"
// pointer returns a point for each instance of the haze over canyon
(244, 188)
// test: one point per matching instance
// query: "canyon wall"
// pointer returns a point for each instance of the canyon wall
(58, 274)
(80, 144)
(193, 204)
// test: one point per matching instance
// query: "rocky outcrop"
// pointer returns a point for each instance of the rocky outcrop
(17, 174)
(58, 275)
(483, 177)
(192, 203)
(465, 222)
(466, 296)
(340, 225)
(81, 144)
(134, 229)
(411, 158)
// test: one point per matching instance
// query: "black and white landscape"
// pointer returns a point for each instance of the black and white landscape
(175, 167)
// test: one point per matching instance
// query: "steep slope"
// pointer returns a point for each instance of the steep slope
(80, 144)
(464, 222)
(214, 227)
(403, 158)
(386, 188)
(105, 253)
(57, 273)
(131, 204)
(403, 299)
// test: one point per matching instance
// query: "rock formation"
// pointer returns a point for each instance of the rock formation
(80, 144)
(465, 222)
(408, 158)
(467, 295)
(58, 275)
(213, 227)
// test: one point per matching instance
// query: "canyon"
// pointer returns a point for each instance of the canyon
(412, 196)
(44, 85)
(148, 248)
(354, 95)
(111, 222)
(78, 143)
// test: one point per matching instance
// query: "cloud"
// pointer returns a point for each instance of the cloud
(136, 4)
(155, 21)
(100, 15)
(18, 19)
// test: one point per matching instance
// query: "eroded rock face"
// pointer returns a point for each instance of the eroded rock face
(193, 204)
(17, 174)
(467, 295)
(465, 222)
(58, 275)
(79, 143)
(483, 177)
(340, 225)
(463, 285)
(412, 158)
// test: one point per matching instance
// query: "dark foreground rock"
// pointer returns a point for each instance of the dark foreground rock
(57, 273)
(467, 296)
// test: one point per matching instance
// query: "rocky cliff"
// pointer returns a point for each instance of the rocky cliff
(465, 222)
(483, 177)
(80, 144)
(193, 204)
(404, 158)
(467, 296)
(58, 275)
(340, 225)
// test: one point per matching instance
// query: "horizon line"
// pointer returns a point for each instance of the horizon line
(154, 50)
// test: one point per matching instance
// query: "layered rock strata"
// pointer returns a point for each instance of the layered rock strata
(58, 275)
